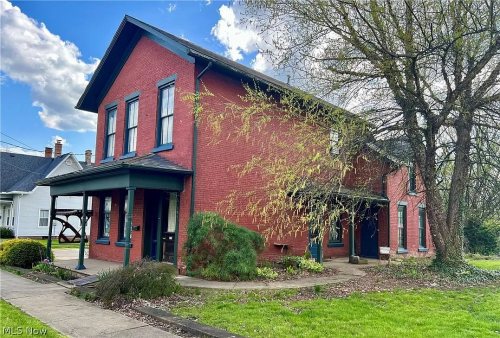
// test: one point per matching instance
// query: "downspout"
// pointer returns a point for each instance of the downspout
(195, 136)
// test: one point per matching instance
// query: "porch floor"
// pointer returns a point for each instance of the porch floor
(93, 266)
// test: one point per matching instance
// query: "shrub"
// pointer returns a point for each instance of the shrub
(482, 238)
(267, 273)
(301, 263)
(144, 279)
(6, 232)
(50, 269)
(23, 253)
(221, 250)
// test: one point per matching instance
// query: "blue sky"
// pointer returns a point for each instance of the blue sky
(50, 49)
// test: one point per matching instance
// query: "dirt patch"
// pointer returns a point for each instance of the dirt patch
(283, 275)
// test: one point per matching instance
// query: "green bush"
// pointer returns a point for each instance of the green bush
(301, 263)
(51, 269)
(267, 273)
(221, 250)
(482, 238)
(144, 279)
(23, 253)
(6, 232)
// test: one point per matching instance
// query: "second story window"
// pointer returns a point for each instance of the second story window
(412, 178)
(166, 114)
(131, 130)
(109, 146)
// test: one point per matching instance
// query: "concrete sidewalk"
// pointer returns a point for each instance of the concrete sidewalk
(69, 315)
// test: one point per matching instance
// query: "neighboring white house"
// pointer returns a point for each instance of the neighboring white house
(24, 206)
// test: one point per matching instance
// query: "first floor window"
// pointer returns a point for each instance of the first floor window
(335, 236)
(402, 226)
(123, 219)
(105, 223)
(421, 228)
(43, 221)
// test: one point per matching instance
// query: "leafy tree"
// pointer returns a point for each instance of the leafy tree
(425, 69)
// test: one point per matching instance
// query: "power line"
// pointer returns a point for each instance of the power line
(15, 145)
(4, 134)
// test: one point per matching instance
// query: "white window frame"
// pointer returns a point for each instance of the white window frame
(40, 218)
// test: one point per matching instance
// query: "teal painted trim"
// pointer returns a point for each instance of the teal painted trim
(123, 244)
(166, 81)
(81, 253)
(163, 147)
(111, 105)
(195, 137)
(107, 160)
(133, 96)
(51, 221)
(402, 251)
(173, 46)
(335, 245)
(103, 241)
(423, 250)
(128, 155)
(159, 230)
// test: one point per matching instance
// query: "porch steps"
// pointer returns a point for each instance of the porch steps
(84, 280)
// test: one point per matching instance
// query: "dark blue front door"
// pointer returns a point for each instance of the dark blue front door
(369, 237)
(315, 246)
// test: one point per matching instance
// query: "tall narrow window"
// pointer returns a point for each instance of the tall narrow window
(334, 142)
(105, 222)
(335, 235)
(412, 176)
(166, 114)
(123, 219)
(109, 149)
(131, 131)
(43, 221)
(421, 228)
(402, 226)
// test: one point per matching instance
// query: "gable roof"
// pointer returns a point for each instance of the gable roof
(20, 172)
(125, 39)
(396, 149)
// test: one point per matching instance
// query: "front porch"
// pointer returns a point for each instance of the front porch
(136, 207)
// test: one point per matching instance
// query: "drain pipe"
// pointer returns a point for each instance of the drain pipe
(195, 135)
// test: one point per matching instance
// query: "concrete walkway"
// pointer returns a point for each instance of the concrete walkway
(345, 270)
(69, 315)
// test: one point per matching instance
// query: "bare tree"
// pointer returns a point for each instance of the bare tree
(426, 69)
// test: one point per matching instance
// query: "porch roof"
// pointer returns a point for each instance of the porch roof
(150, 172)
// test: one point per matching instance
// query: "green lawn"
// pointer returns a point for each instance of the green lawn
(16, 322)
(57, 245)
(472, 312)
(487, 264)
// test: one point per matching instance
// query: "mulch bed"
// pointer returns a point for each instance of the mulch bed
(283, 275)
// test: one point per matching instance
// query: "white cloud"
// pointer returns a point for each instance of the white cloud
(171, 7)
(208, 2)
(52, 67)
(231, 33)
(259, 63)
(55, 138)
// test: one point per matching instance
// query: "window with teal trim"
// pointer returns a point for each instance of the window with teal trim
(402, 226)
(335, 234)
(105, 221)
(123, 219)
(109, 147)
(412, 184)
(422, 241)
(131, 131)
(166, 114)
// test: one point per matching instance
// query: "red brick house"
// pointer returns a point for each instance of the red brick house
(155, 167)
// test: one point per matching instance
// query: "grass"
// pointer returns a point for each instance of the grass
(487, 264)
(55, 244)
(472, 312)
(16, 322)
